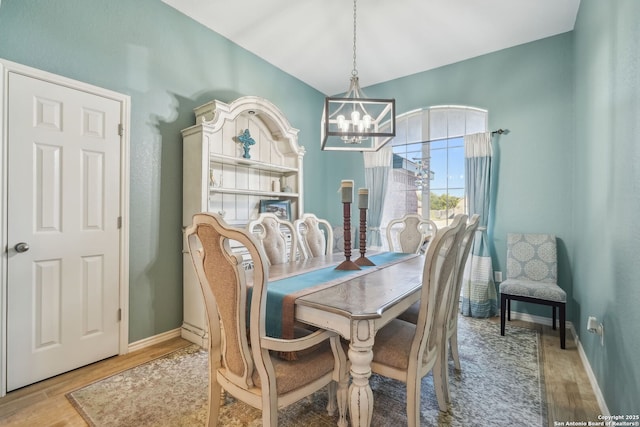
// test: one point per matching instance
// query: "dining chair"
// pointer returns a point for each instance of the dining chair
(532, 276)
(407, 352)
(276, 236)
(315, 235)
(450, 342)
(454, 306)
(247, 365)
(411, 315)
(409, 233)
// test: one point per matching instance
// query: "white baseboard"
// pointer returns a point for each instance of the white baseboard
(604, 410)
(156, 339)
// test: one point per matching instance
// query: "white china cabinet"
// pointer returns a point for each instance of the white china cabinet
(236, 157)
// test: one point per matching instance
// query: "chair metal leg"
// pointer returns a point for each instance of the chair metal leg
(503, 308)
(563, 314)
(553, 317)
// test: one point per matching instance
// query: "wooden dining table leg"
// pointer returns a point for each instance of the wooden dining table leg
(360, 356)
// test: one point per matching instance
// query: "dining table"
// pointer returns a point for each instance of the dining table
(355, 304)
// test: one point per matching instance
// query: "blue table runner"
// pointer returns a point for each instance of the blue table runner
(278, 290)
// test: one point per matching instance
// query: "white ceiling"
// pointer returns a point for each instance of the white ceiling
(313, 39)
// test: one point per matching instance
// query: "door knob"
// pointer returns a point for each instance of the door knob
(21, 247)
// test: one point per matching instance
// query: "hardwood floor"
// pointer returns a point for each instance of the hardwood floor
(569, 394)
(44, 404)
(568, 391)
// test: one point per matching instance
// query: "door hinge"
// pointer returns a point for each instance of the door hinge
(119, 314)
(120, 129)
(119, 222)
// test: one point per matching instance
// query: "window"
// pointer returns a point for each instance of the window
(427, 176)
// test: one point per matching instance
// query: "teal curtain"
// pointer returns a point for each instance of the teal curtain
(479, 296)
(376, 174)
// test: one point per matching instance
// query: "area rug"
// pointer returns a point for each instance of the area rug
(500, 384)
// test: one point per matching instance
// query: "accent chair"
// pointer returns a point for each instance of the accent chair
(532, 276)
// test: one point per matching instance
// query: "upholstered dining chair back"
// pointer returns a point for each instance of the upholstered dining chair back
(532, 257)
(407, 352)
(532, 276)
(315, 235)
(277, 237)
(243, 360)
(409, 233)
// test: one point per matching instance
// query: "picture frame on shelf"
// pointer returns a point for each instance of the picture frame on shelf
(280, 208)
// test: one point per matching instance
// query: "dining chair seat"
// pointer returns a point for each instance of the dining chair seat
(532, 289)
(391, 347)
(309, 365)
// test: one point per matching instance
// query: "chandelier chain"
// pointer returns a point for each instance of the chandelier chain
(354, 72)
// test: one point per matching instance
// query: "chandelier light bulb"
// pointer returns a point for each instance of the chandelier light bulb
(367, 121)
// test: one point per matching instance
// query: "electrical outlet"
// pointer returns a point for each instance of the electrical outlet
(497, 276)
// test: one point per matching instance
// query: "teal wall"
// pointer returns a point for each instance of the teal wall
(569, 165)
(606, 249)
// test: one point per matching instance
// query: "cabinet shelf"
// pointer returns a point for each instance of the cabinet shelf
(253, 192)
(241, 161)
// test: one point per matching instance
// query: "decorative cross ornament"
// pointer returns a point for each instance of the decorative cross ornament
(246, 141)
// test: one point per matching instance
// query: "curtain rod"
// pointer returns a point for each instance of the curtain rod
(499, 131)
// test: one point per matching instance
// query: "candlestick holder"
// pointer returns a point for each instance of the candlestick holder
(347, 264)
(363, 260)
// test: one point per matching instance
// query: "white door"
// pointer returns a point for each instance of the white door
(63, 229)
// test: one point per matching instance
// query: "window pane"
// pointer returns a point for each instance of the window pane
(456, 142)
(401, 133)
(476, 121)
(438, 211)
(456, 192)
(438, 164)
(414, 129)
(414, 151)
(455, 122)
(456, 167)
(439, 144)
(438, 123)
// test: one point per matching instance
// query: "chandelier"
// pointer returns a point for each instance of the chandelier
(354, 122)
